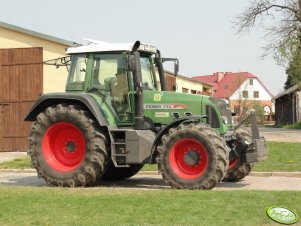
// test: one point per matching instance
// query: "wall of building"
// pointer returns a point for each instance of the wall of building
(264, 98)
(184, 83)
(257, 86)
(191, 87)
(54, 80)
(250, 104)
(285, 110)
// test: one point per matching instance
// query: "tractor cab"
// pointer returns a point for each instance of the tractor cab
(129, 86)
(111, 72)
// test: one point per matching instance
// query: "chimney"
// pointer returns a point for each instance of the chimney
(219, 76)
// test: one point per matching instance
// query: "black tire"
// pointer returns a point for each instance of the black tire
(207, 149)
(239, 169)
(75, 157)
(116, 173)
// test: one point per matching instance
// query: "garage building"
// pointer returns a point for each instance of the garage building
(24, 79)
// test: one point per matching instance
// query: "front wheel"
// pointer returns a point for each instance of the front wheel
(192, 156)
(238, 168)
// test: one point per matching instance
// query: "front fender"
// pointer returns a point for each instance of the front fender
(81, 99)
(165, 130)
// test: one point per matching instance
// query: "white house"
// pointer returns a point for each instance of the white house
(242, 89)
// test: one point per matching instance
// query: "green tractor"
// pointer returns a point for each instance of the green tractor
(114, 118)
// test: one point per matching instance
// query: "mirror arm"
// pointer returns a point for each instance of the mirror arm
(176, 67)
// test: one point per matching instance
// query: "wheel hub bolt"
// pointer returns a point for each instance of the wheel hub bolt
(71, 146)
(191, 158)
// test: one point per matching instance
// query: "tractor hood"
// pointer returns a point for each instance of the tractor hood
(164, 107)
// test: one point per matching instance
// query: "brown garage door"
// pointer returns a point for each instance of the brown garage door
(21, 82)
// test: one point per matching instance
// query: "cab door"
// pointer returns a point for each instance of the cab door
(110, 79)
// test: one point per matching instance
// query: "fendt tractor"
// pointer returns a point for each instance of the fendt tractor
(116, 116)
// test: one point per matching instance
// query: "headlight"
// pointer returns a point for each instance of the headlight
(248, 140)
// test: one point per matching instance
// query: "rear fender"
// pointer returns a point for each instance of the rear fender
(81, 99)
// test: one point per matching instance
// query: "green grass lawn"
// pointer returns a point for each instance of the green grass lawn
(19, 163)
(103, 206)
(283, 156)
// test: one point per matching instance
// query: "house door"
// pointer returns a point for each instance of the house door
(21, 82)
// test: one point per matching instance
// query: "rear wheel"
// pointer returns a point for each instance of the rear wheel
(67, 147)
(115, 173)
(192, 156)
(238, 168)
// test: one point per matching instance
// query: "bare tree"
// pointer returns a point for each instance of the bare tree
(281, 20)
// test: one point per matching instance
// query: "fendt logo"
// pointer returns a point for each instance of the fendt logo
(282, 215)
(165, 106)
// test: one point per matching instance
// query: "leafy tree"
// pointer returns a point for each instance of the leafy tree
(258, 107)
(293, 70)
(281, 20)
(293, 73)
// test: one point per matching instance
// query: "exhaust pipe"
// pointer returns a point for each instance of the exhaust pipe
(158, 62)
(137, 77)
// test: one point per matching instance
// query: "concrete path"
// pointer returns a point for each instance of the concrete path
(8, 156)
(154, 181)
(281, 134)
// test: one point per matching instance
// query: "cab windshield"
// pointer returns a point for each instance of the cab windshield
(147, 72)
(78, 69)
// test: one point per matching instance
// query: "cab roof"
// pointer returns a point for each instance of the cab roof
(100, 46)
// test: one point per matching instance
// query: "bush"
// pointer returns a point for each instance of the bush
(297, 125)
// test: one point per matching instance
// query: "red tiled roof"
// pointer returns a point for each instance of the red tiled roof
(228, 84)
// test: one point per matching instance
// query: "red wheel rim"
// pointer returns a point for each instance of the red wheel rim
(63, 147)
(180, 166)
(232, 163)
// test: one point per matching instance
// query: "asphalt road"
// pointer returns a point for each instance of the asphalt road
(153, 181)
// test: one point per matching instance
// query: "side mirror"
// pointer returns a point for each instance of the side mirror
(176, 64)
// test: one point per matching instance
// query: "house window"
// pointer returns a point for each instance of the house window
(245, 94)
(193, 91)
(251, 82)
(256, 94)
(205, 89)
(184, 90)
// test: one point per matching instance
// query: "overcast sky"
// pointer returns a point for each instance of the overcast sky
(199, 33)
